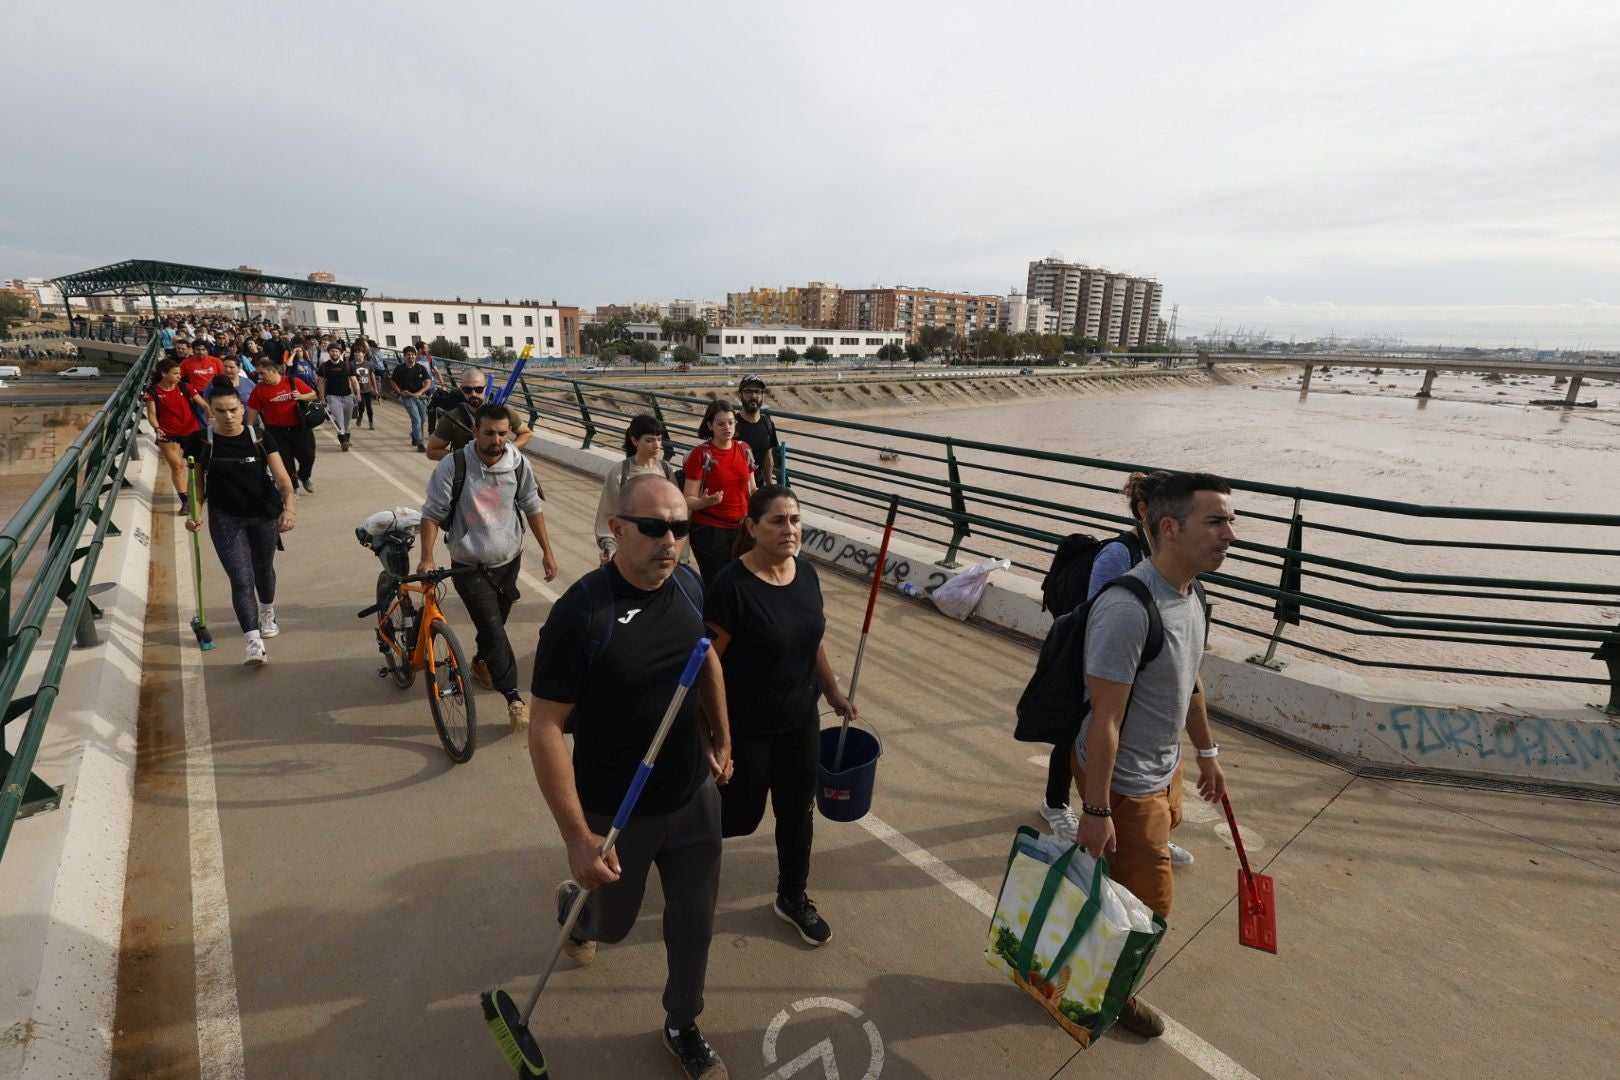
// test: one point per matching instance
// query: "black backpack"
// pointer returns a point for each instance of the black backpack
(1054, 702)
(1064, 587)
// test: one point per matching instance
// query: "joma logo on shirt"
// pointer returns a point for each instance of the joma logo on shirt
(627, 616)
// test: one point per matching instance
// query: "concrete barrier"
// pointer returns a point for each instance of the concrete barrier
(1399, 725)
(61, 913)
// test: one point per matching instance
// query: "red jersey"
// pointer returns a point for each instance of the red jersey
(278, 404)
(175, 416)
(199, 371)
(726, 470)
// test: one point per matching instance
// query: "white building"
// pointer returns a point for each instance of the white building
(1020, 314)
(46, 295)
(477, 326)
(764, 342)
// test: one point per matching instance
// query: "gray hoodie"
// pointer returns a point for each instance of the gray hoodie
(491, 516)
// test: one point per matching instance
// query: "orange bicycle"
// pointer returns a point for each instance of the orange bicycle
(416, 637)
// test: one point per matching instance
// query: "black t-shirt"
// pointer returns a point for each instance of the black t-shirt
(620, 696)
(760, 435)
(238, 479)
(337, 374)
(410, 378)
(770, 662)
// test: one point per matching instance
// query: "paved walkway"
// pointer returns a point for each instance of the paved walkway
(315, 891)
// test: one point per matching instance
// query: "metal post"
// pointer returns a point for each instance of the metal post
(1609, 653)
(959, 523)
(585, 418)
(781, 464)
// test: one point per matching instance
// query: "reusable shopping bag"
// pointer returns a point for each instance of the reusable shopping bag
(1069, 936)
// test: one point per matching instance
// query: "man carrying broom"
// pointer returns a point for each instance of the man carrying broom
(609, 653)
(1127, 758)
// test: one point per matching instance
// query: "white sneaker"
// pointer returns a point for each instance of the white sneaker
(257, 654)
(1064, 825)
(267, 622)
(1180, 856)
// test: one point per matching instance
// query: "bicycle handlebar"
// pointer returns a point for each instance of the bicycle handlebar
(433, 577)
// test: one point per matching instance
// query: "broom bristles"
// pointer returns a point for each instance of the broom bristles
(516, 1043)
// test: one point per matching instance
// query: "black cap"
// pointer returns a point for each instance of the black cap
(751, 380)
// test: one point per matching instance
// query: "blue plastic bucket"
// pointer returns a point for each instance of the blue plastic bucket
(846, 795)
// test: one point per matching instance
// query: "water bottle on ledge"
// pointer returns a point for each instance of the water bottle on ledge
(914, 591)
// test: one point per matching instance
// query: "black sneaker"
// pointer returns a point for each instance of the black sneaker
(802, 914)
(697, 1060)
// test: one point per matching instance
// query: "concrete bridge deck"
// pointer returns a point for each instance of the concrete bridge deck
(315, 891)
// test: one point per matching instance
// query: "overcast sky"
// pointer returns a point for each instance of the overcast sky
(1446, 171)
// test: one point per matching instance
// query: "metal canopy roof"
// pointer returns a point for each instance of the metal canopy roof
(178, 277)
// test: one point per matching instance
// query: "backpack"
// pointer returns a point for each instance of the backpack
(1064, 586)
(1055, 700)
(599, 594)
(669, 470)
(458, 480)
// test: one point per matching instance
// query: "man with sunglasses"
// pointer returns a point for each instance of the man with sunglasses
(482, 502)
(455, 426)
(607, 662)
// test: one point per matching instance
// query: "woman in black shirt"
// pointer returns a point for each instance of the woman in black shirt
(765, 611)
(250, 503)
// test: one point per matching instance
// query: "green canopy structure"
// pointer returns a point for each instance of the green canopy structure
(151, 276)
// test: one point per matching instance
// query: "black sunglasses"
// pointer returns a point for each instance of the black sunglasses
(657, 527)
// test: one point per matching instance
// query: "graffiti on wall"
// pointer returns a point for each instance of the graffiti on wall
(840, 551)
(1521, 740)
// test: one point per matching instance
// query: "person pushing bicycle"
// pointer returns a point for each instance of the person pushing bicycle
(481, 497)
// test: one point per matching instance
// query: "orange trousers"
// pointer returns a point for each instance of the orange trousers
(1140, 860)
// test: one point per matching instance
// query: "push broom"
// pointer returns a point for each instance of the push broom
(511, 1028)
(866, 624)
(199, 624)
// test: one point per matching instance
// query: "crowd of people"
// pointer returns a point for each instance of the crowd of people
(612, 646)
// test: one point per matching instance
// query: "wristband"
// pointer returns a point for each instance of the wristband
(1213, 751)
(1095, 811)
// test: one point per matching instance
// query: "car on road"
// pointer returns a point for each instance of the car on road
(1026, 371)
(80, 373)
(683, 367)
(10, 371)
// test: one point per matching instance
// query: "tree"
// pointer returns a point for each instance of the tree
(592, 336)
(891, 353)
(685, 354)
(500, 352)
(933, 339)
(787, 355)
(817, 354)
(611, 351)
(916, 353)
(673, 330)
(443, 346)
(644, 353)
(13, 310)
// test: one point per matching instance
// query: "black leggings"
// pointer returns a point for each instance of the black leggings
(247, 551)
(297, 446)
(711, 545)
(364, 409)
(782, 766)
(1058, 776)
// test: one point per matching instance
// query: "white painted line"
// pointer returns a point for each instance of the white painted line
(416, 500)
(1177, 1037)
(219, 1023)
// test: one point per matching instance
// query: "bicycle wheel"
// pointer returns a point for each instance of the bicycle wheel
(391, 641)
(449, 696)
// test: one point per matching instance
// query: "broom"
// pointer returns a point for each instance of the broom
(199, 624)
(511, 1028)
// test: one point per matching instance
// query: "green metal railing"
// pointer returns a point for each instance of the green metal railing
(48, 554)
(1438, 590)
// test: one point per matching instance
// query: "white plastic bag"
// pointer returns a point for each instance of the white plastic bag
(399, 519)
(961, 594)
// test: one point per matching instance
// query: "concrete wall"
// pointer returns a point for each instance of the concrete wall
(1504, 733)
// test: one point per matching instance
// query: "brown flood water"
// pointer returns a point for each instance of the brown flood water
(1475, 444)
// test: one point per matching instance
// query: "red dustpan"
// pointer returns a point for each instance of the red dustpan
(1257, 897)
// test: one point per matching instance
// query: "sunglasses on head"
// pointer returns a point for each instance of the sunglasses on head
(657, 527)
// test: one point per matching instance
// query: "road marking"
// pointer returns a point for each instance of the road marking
(822, 1052)
(528, 579)
(219, 1023)
(1178, 1038)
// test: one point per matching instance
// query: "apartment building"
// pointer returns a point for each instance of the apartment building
(813, 305)
(477, 326)
(1120, 309)
(1020, 314)
(910, 309)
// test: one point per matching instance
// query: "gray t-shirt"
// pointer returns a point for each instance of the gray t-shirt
(1116, 631)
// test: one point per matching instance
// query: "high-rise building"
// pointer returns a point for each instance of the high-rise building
(1022, 314)
(910, 309)
(814, 305)
(1119, 309)
(1057, 284)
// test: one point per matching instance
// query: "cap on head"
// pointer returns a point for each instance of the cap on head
(751, 380)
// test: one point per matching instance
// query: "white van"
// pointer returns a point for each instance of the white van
(80, 373)
(10, 371)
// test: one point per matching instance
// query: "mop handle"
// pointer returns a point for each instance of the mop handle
(1237, 841)
(694, 664)
(866, 623)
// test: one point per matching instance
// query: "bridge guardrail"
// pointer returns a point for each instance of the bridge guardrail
(1373, 583)
(75, 498)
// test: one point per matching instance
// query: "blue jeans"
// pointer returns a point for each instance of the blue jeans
(417, 407)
